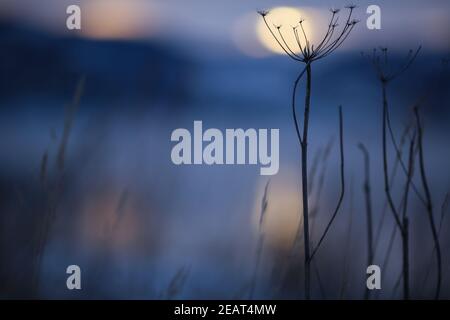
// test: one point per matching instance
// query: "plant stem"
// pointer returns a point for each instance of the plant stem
(429, 204)
(405, 242)
(368, 201)
(402, 225)
(304, 151)
(385, 162)
(341, 196)
(405, 222)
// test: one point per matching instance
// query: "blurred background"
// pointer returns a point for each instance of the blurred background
(85, 171)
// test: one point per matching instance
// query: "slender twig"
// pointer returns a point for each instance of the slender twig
(308, 54)
(176, 283)
(399, 156)
(389, 248)
(397, 284)
(385, 77)
(318, 194)
(345, 278)
(53, 191)
(405, 223)
(390, 244)
(319, 280)
(392, 180)
(314, 169)
(391, 241)
(444, 207)
(318, 191)
(294, 114)
(304, 156)
(385, 162)
(68, 122)
(259, 247)
(368, 201)
(429, 204)
(402, 225)
(342, 192)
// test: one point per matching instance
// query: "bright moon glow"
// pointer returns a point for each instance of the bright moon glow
(288, 17)
(283, 214)
(116, 19)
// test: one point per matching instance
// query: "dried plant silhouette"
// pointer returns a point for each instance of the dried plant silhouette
(347, 254)
(259, 247)
(444, 210)
(307, 54)
(392, 180)
(368, 202)
(393, 234)
(429, 203)
(380, 61)
(316, 185)
(176, 284)
(320, 183)
(52, 186)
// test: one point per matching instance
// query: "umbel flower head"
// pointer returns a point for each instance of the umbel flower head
(308, 52)
(380, 62)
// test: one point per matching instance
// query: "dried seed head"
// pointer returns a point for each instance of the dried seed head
(311, 52)
(351, 6)
(335, 11)
(263, 13)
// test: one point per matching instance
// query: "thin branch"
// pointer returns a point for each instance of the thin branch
(407, 65)
(259, 248)
(392, 179)
(294, 113)
(385, 163)
(307, 46)
(429, 204)
(330, 30)
(344, 29)
(385, 79)
(389, 248)
(297, 38)
(399, 156)
(285, 43)
(278, 41)
(341, 197)
(441, 222)
(340, 41)
(345, 278)
(314, 169)
(319, 280)
(405, 222)
(368, 201)
(315, 209)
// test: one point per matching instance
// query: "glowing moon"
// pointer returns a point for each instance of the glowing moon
(116, 19)
(283, 215)
(287, 17)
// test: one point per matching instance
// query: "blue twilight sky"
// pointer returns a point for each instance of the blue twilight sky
(226, 25)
